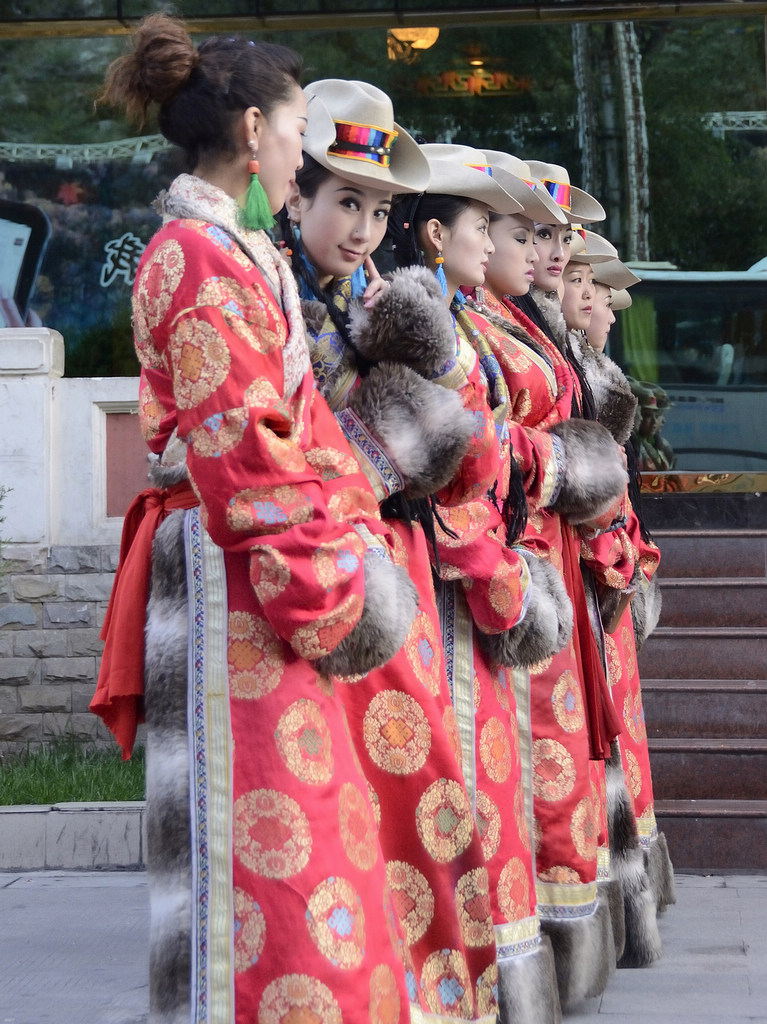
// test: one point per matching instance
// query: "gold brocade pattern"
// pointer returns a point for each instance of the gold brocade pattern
(487, 986)
(446, 984)
(322, 636)
(514, 890)
(249, 931)
(156, 286)
(504, 589)
(298, 998)
(269, 573)
(568, 703)
(271, 833)
(330, 463)
(633, 774)
(444, 820)
(396, 733)
(357, 829)
(282, 450)
(412, 897)
(584, 828)
(553, 770)
(633, 716)
(489, 824)
(303, 742)
(385, 1006)
(279, 506)
(255, 656)
(332, 565)
(424, 652)
(336, 922)
(520, 814)
(472, 899)
(220, 433)
(201, 360)
(495, 750)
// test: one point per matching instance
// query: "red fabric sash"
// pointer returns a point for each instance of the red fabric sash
(601, 718)
(119, 695)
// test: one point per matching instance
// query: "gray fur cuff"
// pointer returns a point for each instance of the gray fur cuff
(546, 626)
(594, 476)
(422, 428)
(409, 323)
(391, 602)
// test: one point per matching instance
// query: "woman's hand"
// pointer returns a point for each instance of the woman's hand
(376, 287)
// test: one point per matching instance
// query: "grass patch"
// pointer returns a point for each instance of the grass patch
(67, 772)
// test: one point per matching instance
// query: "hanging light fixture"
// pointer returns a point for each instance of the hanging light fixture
(404, 43)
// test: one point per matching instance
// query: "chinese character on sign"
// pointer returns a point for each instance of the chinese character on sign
(122, 259)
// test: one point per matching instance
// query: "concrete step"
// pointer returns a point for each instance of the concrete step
(709, 769)
(705, 653)
(714, 835)
(712, 553)
(708, 602)
(692, 708)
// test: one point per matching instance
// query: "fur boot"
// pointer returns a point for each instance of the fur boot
(391, 601)
(409, 323)
(167, 778)
(547, 624)
(584, 954)
(627, 865)
(660, 871)
(527, 987)
(594, 476)
(421, 426)
(611, 892)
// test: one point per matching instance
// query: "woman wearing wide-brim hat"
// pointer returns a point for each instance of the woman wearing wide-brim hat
(620, 561)
(446, 230)
(562, 459)
(409, 434)
(259, 577)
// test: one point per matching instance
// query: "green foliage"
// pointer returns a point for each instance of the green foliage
(68, 772)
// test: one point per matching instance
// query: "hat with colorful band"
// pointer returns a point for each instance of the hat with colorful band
(519, 181)
(580, 207)
(465, 172)
(351, 131)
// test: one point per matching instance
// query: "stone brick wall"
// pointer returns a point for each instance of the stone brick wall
(52, 605)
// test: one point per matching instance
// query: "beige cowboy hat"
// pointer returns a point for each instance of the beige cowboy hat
(352, 132)
(465, 172)
(579, 206)
(621, 299)
(518, 180)
(594, 248)
(615, 274)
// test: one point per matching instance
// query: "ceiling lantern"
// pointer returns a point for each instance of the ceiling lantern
(404, 43)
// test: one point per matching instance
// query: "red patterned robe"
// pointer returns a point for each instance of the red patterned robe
(292, 916)
(404, 726)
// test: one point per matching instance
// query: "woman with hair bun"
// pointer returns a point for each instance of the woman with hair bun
(270, 573)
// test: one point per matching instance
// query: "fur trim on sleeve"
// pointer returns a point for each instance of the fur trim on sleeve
(547, 623)
(615, 401)
(594, 476)
(391, 601)
(409, 323)
(423, 427)
(646, 607)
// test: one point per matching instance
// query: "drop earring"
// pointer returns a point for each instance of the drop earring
(257, 215)
(440, 273)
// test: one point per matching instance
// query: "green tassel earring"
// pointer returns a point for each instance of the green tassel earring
(257, 216)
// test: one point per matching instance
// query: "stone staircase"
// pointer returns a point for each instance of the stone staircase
(704, 685)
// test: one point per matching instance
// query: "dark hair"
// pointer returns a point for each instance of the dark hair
(410, 212)
(200, 91)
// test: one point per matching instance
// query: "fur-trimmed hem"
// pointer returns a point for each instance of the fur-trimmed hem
(660, 871)
(527, 987)
(547, 624)
(613, 893)
(391, 601)
(646, 606)
(168, 824)
(584, 953)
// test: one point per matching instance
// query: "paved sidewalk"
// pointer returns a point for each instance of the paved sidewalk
(73, 951)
